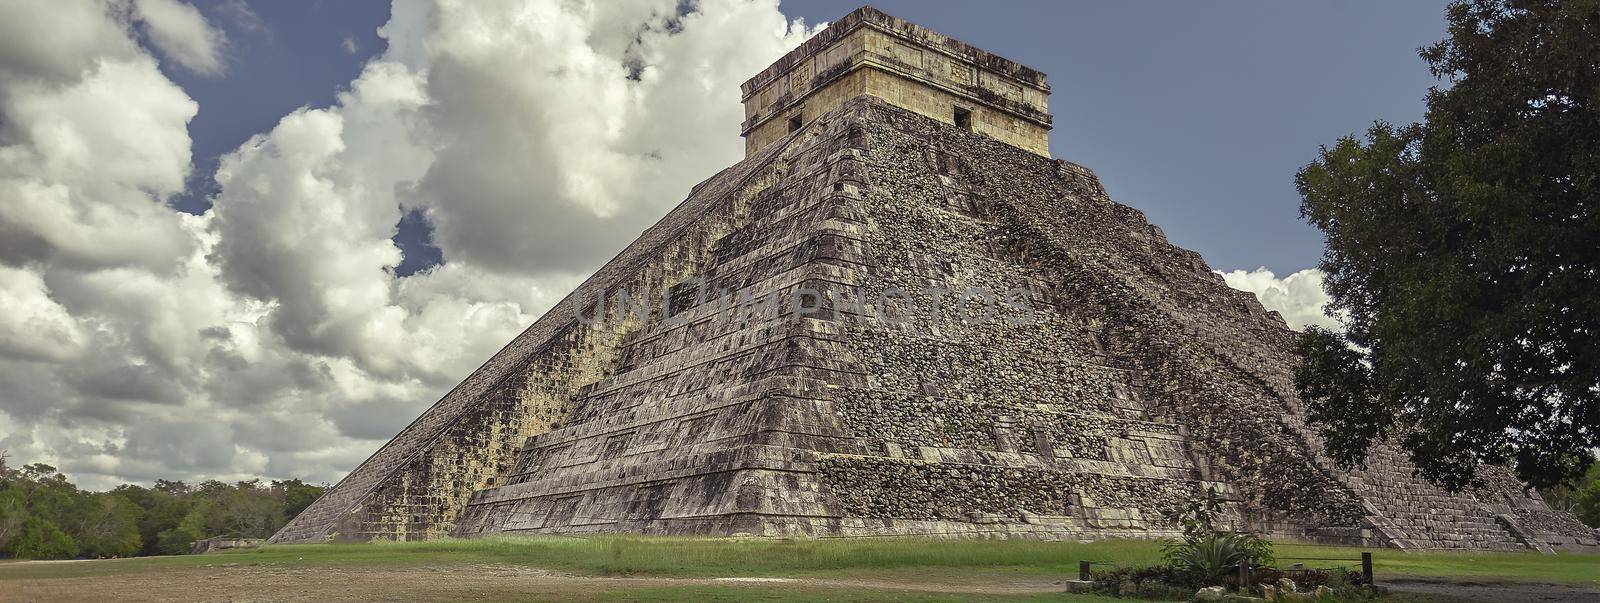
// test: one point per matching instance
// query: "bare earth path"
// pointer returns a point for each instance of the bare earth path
(236, 582)
(1492, 592)
(492, 583)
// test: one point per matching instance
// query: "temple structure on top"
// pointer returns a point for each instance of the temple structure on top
(871, 53)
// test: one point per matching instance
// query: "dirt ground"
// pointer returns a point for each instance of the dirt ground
(239, 583)
(491, 583)
(1493, 592)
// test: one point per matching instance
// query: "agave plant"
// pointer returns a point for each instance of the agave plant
(1208, 557)
(1205, 552)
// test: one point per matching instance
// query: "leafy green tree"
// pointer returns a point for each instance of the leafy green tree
(297, 495)
(13, 512)
(42, 539)
(242, 510)
(177, 541)
(1587, 504)
(174, 488)
(163, 507)
(1580, 497)
(45, 491)
(1564, 496)
(107, 525)
(248, 510)
(1465, 252)
(42, 514)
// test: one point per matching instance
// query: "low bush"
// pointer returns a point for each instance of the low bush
(1168, 582)
(1153, 582)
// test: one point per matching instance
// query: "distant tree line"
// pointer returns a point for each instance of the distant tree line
(44, 516)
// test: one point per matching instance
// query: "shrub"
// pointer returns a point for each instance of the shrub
(1206, 554)
(1305, 579)
(1157, 582)
(1210, 558)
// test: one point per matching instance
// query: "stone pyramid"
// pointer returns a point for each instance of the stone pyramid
(899, 316)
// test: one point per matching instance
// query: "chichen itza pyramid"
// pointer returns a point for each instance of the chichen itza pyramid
(898, 315)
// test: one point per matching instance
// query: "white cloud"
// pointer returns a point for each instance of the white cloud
(269, 336)
(547, 169)
(182, 34)
(86, 164)
(33, 326)
(74, 36)
(1298, 297)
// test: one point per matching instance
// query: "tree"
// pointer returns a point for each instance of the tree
(43, 515)
(42, 539)
(163, 507)
(108, 526)
(45, 491)
(247, 510)
(242, 510)
(13, 512)
(1465, 252)
(1581, 499)
(297, 495)
(1587, 504)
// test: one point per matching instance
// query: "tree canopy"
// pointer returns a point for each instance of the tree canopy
(44, 516)
(1464, 254)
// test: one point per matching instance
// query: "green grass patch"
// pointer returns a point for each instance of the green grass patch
(728, 593)
(1563, 568)
(838, 558)
(658, 556)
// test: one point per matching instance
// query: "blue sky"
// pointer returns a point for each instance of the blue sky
(283, 55)
(1197, 113)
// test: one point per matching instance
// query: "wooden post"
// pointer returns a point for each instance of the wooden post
(1366, 566)
(1244, 577)
(1083, 571)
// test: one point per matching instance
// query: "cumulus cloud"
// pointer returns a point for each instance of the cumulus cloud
(61, 45)
(271, 336)
(1298, 297)
(182, 34)
(33, 326)
(85, 164)
(617, 109)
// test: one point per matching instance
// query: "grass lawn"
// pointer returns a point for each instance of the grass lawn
(1563, 568)
(833, 558)
(789, 593)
